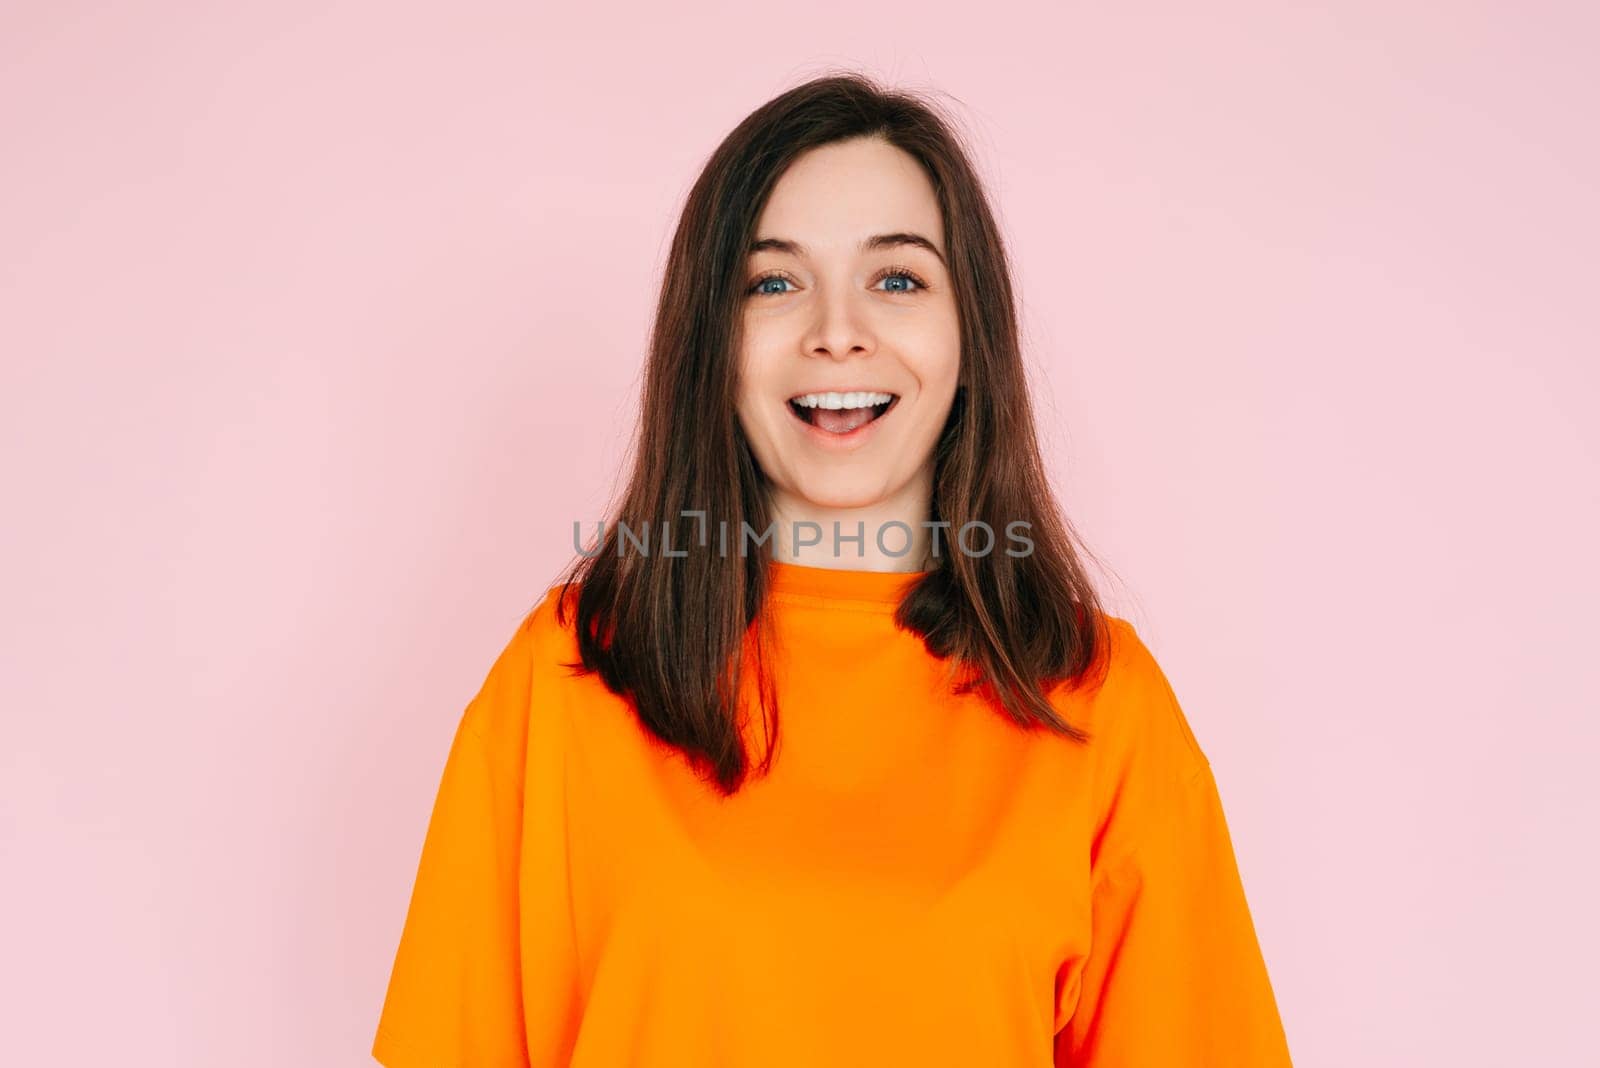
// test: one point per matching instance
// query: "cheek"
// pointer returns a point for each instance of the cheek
(752, 398)
(933, 348)
(937, 365)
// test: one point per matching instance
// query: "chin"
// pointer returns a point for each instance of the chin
(829, 491)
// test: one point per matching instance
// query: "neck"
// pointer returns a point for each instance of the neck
(900, 519)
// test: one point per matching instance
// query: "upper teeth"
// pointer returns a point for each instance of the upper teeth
(843, 400)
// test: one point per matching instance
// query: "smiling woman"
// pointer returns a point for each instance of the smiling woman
(992, 838)
(854, 231)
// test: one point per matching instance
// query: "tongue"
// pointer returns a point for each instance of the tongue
(842, 420)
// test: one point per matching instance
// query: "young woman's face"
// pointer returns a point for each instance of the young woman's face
(844, 304)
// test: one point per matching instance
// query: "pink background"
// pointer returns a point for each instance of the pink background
(322, 321)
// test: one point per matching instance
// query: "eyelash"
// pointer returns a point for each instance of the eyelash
(887, 272)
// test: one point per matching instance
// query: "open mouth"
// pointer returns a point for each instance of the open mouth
(841, 413)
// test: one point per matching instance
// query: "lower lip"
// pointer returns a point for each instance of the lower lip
(854, 439)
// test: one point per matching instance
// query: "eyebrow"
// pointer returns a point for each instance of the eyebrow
(872, 244)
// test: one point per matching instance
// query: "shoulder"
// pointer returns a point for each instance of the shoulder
(513, 703)
(1133, 715)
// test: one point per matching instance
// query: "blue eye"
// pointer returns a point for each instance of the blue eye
(902, 275)
(761, 282)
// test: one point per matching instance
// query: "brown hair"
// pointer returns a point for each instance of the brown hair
(669, 632)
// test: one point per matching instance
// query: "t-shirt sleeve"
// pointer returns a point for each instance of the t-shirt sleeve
(484, 972)
(1174, 975)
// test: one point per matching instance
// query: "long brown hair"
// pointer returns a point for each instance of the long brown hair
(670, 632)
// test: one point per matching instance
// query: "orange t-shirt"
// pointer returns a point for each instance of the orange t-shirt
(917, 882)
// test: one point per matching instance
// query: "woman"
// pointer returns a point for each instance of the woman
(984, 834)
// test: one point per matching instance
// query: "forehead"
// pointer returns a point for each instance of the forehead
(832, 196)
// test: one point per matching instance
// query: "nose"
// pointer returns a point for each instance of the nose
(841, 330)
